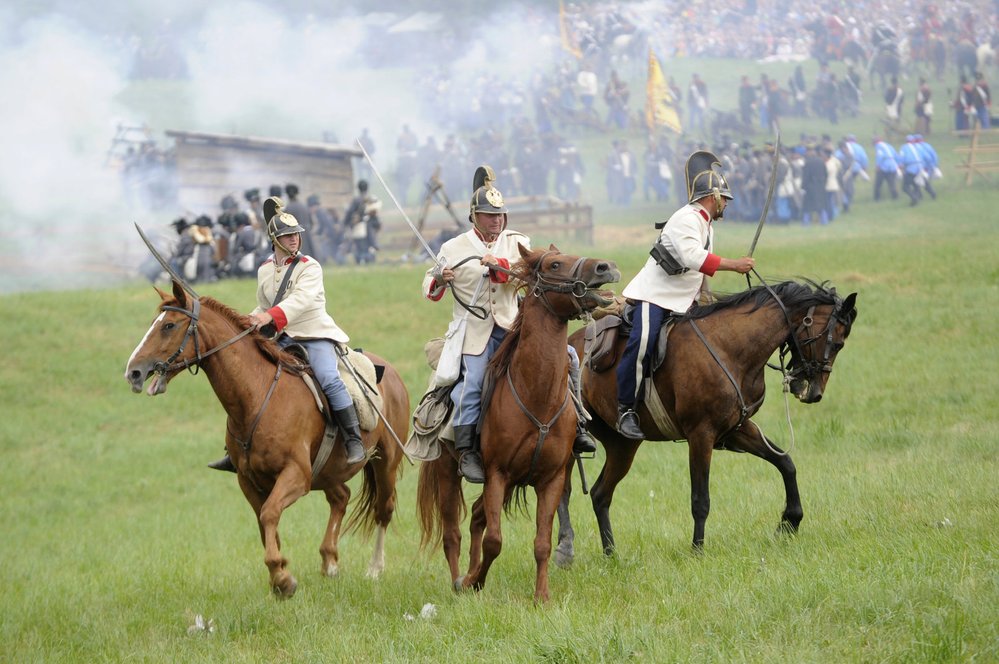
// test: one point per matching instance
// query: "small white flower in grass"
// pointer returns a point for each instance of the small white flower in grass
(652, 494)
(428, 611)
(408, 616)
(945, 523)
(201, 624)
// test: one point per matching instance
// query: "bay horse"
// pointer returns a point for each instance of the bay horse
(710, 384)
(274, 428)
(528, 426)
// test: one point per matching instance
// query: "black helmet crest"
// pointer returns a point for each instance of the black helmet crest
(703, 179)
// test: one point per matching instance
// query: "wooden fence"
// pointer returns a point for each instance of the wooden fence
(981, 155)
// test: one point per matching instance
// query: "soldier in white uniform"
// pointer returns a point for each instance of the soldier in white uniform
(298, 315)
(673, 277)
(490, 315)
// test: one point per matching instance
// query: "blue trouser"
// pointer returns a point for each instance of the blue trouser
(646, 321)
(322, 358)
(467, 392)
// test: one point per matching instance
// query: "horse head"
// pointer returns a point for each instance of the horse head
(567, 285)
(172, 336)
(819, 336)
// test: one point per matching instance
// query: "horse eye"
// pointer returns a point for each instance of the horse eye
(168, 326)
(555, 265)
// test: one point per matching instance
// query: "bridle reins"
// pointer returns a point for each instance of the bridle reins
(194, 314)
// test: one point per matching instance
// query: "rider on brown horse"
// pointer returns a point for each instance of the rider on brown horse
(475, 265)
(291, 298)
(673, 277)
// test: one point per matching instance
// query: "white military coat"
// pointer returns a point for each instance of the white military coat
(498, 296)
(689, 237)
(302, 313)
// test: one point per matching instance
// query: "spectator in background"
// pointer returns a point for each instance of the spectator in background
(813, 182)
(983, 101)
(894, 96)
(616, 97)
(924, 107)
(697, 100)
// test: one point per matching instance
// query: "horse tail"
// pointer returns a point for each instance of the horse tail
(428, 502)
(362, 518)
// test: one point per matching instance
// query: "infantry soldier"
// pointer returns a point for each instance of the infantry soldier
(673, 277)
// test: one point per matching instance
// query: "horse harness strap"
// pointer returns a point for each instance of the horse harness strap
(744, 410)
(192, 331)
(543, 429)
(245, 444)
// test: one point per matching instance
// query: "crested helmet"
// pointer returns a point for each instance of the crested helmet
(704, 179)
(279, 222)
(485, 197)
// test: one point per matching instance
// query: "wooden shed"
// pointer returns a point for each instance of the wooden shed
(209, 166)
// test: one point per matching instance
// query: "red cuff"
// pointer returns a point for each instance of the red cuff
(280, 320)
(436, 287)
(498, 277)
(710, 265)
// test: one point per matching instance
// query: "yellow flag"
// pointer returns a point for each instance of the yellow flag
(568, 42)
(660, 104)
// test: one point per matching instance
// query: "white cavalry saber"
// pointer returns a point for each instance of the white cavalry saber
(419, 236)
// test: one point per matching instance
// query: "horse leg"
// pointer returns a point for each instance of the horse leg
(383, 476)
(449, 498)
(476, 528)
(565, 552)
(620, 455)
(492, 539)
(329, 551)
(548, 498)
(699, 449)
(750, 439)
(289, 487)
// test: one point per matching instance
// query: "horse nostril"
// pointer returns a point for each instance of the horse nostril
(603, 268)
(135, 374)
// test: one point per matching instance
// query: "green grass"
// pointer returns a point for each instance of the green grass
(117, 535)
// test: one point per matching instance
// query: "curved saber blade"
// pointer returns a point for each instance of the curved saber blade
(770, 195)
(374, 169)
(165, 264)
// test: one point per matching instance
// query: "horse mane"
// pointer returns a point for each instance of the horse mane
(792, 293)
(267, 347)
(522, 270)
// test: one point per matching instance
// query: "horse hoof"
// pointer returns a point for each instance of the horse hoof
(563, 559)
(786, 528)
(332, 570)
(459, 584)
(286, 590)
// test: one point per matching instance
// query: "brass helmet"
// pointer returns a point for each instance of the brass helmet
(485, 197)
(703, 179)
(279, 222)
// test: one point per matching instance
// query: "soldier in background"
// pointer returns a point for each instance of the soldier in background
(362, 224)
(299, 210)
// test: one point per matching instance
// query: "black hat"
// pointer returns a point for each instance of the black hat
(180, 224)
(241, 219)
(228, 202)
(204, 220)
(291, 190)
(362, 186)
(312, 200)
(252, 195)
(275, 190)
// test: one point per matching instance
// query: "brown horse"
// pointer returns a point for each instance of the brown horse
(711, 382)
(528, 426)
(274, 428)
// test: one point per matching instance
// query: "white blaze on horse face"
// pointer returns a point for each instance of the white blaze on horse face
(143, 342)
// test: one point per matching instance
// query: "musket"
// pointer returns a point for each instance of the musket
(770, 195)
(419, 236)
(164, 264)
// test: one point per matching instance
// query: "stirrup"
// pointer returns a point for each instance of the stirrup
(584, 447)
(629, 426)
(225, 463)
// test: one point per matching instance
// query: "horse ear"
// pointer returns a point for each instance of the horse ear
(179, 293)
(163, 296)
(552, 247)
(850, 302)
(524, 253)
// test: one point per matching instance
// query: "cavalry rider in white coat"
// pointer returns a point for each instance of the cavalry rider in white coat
(291, 298)
(673, 277)
(490, 313)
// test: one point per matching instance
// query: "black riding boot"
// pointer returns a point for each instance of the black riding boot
(469, 459)
(347, 419)
(628, 424)
(583, 444)
(225, 463)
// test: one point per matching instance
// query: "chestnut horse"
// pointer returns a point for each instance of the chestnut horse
(711, 382)
(274, 428)
(528, 426)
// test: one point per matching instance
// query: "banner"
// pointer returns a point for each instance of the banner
(568, 42)
(660, 104)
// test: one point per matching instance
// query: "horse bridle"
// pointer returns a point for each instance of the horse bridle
(572, 285)
(194, 314)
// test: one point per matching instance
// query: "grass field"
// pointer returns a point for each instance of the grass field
(118, 536)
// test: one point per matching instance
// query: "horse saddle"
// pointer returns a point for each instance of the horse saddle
(600, 348)
(360, 386)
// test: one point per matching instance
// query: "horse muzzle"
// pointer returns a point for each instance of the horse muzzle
(137, 376)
